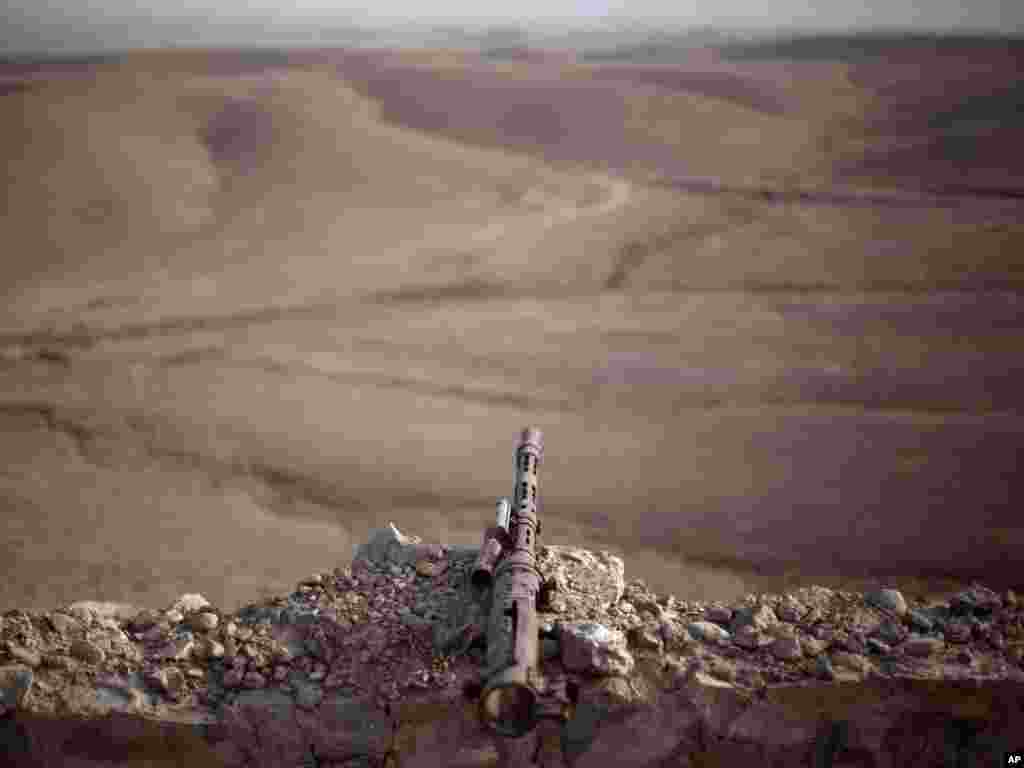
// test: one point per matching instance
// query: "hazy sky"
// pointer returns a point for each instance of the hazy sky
(28, 24)
(930, 13)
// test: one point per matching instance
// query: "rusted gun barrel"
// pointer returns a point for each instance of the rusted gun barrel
(513, 697)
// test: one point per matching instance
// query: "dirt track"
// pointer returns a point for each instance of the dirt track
(256, 316)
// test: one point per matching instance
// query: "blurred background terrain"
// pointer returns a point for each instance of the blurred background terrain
(761, 292)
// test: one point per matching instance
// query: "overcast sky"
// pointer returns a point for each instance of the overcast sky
(29, 24)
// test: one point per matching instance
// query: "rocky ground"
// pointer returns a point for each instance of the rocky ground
(367, 665)
(255, 303)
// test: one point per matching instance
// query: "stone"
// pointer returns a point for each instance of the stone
(87, 652)
(170, 680)
(877, 646)
(15, 683)
(825, 633)
(749, 638)
(790, 609)
(750, 678)
(234, 676)
(389, 545)
(851, 661)
(919, 620)
(922, 646)
(154, 634)
(308, 695)
(144, 620)
(890, 632)
(25, 656)
(672, 639)
(812, 646)
(207, 649)
(594, 649)
(723, 670)
(428, 569)
(786, 648)
(644, 639)
(718, 614)
(650, 610)
(63, 624)
(59, 661)
(760, 617)
(190, 603)
(254, 679)
(203, 621)
(823, 668)
(89, 611)
(177, 647)
(852, 642)
(976, 600)
(592, 580)
(708, 632)
(319, 671)
(958, 632)
(888, 599)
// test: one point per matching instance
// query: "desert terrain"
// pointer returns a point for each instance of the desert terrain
(766, 308)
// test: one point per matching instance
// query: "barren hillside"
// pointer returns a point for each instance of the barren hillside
(255, 305)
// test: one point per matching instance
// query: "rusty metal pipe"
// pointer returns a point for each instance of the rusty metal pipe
(496, 541)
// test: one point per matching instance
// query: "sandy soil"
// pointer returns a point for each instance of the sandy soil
(252, 312)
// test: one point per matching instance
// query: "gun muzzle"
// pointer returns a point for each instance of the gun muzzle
(496, 541)
(512, 704)
(509, 708)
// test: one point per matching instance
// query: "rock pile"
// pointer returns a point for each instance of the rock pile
(368, 666)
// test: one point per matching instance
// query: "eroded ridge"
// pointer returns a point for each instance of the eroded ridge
(369, 665)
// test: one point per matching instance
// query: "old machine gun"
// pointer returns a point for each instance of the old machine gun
(513, 694)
